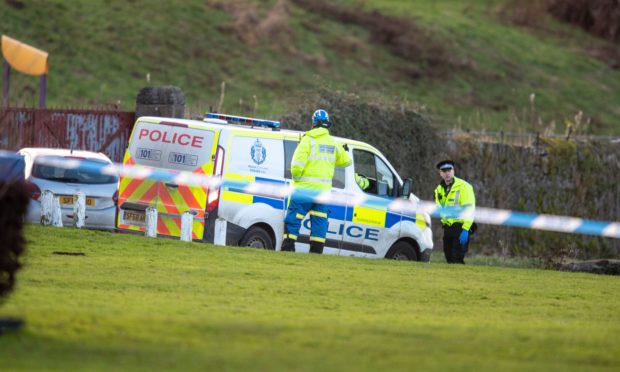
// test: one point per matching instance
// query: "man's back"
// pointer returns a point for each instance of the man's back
(315, 158)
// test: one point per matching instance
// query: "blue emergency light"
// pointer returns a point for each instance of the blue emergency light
(245, 121)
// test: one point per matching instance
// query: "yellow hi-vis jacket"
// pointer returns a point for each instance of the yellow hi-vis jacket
(315, 158)
(461, 194)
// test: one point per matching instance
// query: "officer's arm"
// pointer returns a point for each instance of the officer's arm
(468, 202)
(343, 159)
(362, 181)
(300, 157)
(438, 196)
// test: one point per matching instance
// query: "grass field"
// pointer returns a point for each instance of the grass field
(134, 303)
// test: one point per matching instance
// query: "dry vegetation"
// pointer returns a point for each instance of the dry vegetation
(598, 17)
(404, 38)
(251, 26)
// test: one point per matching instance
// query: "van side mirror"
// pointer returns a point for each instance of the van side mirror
(405, 190)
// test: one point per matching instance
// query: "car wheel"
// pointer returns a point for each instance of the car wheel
(402, 251)
(257, 237)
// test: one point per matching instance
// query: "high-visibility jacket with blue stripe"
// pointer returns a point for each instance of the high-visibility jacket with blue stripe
(315, 159)
(460, 194)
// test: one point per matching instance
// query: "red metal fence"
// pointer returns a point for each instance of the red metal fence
(99, 131)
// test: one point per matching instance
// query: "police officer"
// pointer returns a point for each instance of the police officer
(454, 192)
(312, 168)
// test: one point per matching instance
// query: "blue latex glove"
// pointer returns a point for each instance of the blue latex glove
(464, 237)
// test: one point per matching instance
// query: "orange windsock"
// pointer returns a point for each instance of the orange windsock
(23, 57)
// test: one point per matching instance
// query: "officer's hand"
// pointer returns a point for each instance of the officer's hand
(464, 237)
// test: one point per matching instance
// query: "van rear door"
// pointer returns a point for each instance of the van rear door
(171, 146)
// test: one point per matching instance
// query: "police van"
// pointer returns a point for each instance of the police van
(362, 223)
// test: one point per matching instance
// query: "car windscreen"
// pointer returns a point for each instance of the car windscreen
(88, 172)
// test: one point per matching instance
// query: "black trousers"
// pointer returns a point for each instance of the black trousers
(452, 249)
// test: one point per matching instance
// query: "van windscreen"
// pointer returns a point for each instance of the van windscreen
(171, 147)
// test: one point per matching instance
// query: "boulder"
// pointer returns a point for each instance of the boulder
(607, 267)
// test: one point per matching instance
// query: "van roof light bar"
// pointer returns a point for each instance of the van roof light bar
(245, 121)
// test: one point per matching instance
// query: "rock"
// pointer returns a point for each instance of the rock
(607, 267)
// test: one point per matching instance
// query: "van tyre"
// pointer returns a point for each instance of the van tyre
(402, 251)
(257, 237)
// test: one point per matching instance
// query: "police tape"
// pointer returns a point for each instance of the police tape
(283, 190)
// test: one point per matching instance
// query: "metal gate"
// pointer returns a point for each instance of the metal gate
(99, 131)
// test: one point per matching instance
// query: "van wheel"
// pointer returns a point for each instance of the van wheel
(257, 237)
(402, 251)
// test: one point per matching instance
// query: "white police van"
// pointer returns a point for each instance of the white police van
(257, 153)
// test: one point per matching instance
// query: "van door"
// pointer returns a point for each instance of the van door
(177, 147)
(366, 227)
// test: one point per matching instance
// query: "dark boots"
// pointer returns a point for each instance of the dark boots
(288, 245)
(316, 247)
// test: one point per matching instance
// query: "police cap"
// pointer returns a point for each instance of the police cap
(445, 165)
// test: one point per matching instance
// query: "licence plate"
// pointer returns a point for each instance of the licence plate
(134, 218)
(69, 200)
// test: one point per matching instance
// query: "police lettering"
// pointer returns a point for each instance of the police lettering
(352, 231)
(182, 139)
(354, 234)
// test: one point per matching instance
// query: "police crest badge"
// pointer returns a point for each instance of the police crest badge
(258, 152)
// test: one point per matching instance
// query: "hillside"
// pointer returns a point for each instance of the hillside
(492, 64)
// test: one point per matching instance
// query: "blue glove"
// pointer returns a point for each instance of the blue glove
(464, 237)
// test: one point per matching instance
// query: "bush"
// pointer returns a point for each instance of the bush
(599, 17)
(556, 177)
(406, 138)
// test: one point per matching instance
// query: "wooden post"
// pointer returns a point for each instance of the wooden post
(42, 89)
(79, 209)
(187, 225)
(150, 229)
(47, 206)
(5, 84)
(56, 213)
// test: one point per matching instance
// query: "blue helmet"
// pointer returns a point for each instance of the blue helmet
(320, 118)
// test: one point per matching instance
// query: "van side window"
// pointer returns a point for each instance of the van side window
(376, 171)
(385, 179)
(338, 181)
(289, 150)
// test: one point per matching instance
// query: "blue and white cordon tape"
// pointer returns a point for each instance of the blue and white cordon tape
(490, 216)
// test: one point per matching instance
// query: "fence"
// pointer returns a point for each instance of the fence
(525, 139)
(99, 131)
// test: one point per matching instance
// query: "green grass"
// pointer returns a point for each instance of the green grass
(135, 303)
(101, 52)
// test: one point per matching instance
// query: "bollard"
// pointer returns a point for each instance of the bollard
(187, 224)
(47, 206)
(79, 209)
(150, 228)
(56, 213)
(220, 232)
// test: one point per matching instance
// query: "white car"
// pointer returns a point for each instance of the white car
(101, 190)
